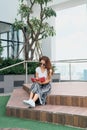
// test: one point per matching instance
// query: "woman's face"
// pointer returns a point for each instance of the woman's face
(42, 64)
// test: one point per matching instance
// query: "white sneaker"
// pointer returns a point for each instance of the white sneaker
(30, 102)
(26, 101)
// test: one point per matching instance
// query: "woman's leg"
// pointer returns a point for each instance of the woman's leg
(31, 95)
(32, 99)
(35, 97)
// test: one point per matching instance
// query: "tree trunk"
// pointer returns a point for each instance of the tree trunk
(31, 52)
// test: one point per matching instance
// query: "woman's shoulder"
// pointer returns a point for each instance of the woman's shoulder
(38, 68)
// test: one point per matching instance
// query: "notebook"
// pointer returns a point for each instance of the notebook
(42, 79)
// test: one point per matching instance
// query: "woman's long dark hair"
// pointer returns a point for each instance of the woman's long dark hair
(47, 62)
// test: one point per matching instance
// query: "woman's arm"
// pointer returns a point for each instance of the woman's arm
(36, 75)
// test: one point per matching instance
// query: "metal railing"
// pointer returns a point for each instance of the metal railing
(67, 69)
(26, 69)
(74, 69)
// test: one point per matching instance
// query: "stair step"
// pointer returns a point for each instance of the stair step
(67, 94)
(58, 114)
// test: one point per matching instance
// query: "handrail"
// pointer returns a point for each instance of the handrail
(25, 61)
(10, 66)
(63, 61)
(59, 61)
(71, 61)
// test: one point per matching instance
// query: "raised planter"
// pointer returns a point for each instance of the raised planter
(9, 82)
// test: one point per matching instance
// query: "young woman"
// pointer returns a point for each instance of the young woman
(40, 90)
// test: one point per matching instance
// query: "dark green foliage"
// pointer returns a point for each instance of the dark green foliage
(32, 66)
(19, 69)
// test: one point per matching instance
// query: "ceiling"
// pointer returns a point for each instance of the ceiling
(63, 4)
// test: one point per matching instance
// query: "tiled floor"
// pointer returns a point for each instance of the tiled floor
(62, 89)
(69, 88)
(74, 92)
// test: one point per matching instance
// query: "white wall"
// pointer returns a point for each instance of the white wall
(8, 10)
(48, 44)
(60, 5)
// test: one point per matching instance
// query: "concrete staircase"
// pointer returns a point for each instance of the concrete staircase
(66, 105)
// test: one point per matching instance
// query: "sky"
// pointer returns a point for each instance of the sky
(8, 10)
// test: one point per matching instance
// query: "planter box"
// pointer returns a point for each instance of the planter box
(56, 77)
(9, 82)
